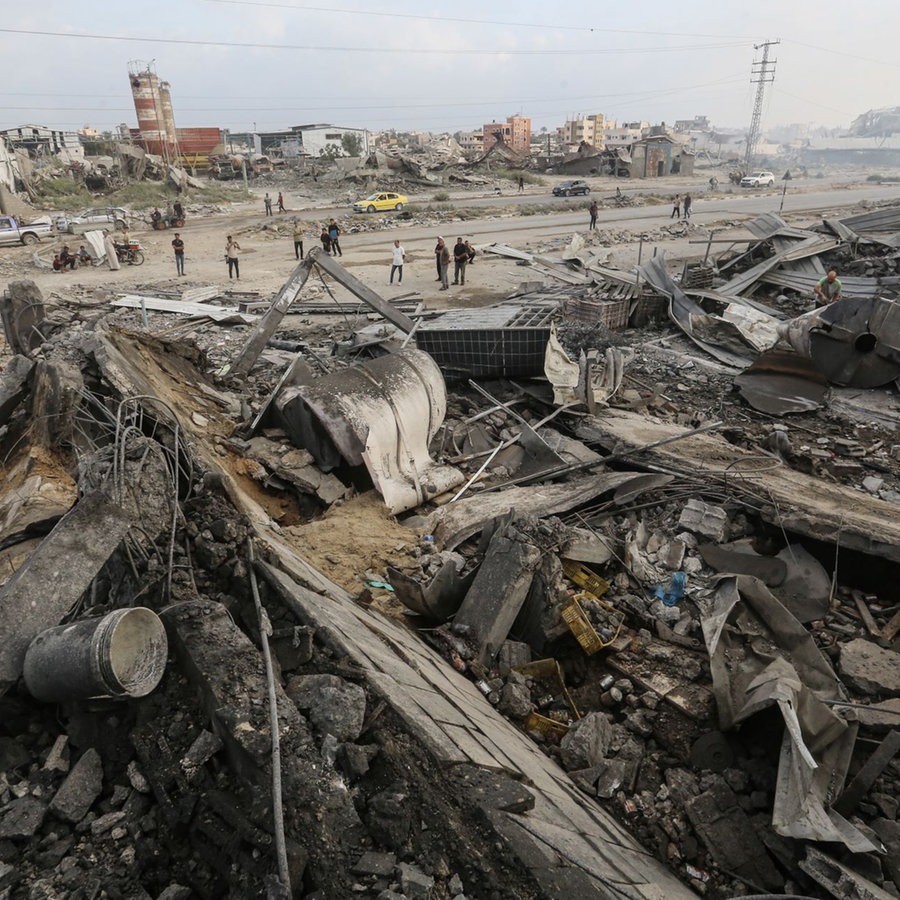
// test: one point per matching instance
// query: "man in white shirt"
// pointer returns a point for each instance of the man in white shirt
(398, 255)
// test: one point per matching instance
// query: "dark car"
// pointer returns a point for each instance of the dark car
(571, 188)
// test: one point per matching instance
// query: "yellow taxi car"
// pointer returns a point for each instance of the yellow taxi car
(381, 200)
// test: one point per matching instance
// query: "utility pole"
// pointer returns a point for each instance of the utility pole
(762, 72)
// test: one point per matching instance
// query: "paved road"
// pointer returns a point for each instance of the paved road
(573, 214)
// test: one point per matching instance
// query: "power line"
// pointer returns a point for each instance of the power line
(543, 26)
(429, 51)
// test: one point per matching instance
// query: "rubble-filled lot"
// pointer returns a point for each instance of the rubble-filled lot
(569, 538)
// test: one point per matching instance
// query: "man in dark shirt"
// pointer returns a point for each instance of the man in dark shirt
(178, 247)
(334, 233)
(460, 258)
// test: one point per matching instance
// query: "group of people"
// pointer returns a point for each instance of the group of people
(463, 254)
(267, 203)
(65, 259)
(331, 239)
(232, 249)
(681, 205)
(174, 214)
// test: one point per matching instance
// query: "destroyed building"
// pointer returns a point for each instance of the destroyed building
(586, 593)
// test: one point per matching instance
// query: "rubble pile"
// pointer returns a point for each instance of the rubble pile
(437, 634)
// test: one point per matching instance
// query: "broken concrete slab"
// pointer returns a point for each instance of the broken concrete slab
(80, 789)
(499, 590)
(730, 837)
(21, 818)
(870, 669)
(14, 385)
(704, 519)
(335, 706)
(55, 576)
(839, 879)
(586, 743)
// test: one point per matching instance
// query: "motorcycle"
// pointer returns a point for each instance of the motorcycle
(167, 221)
(131, 253)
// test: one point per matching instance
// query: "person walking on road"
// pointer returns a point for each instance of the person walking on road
(231, 256)
(334, 233)
(460, 258)
(281, 202)
(443, 252)
(398, 256)
(593, 209)
(298, 239)
(686, 205)
(676, 207)
(178, 247)
(267, 201)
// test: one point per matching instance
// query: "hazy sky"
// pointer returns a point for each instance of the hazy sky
(445, 66)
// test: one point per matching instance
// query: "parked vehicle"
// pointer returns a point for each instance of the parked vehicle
(571, 188)
(131, 253)
(381, 200)
(14, 232)
(758, 179)
(90, 219)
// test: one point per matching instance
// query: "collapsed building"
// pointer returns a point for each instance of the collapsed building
(586, 593)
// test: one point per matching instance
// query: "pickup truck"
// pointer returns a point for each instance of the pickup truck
(13, 232)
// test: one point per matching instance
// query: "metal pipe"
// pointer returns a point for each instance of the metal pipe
(265, 629)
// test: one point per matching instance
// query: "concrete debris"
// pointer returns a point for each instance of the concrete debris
(632, 635)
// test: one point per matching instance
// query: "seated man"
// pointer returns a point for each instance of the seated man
(66, 258)
(84, 258)
(57, 264)
(828, 290)
(178, 209)
(156, 217)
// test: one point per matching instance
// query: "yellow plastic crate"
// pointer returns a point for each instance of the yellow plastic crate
(543, 725)
(585, 578)
(580, 625)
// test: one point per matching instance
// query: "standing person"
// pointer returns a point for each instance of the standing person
(334, 233)
(178, 209)
(443, 252)
(267, 200)
(398, 257)
(109, 245)
(298, 239)
(326, 240)
(828, 290)
(676, 207)
(231, 255)
(460, 258)
(178, 247)
(686, 205)
(521, 184)
(280, 202)
(593, 209)
(437, 256)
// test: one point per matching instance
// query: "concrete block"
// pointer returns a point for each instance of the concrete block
(80, 789)
(701, 518)
(870, 669)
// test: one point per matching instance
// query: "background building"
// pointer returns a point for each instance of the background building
(515, 132)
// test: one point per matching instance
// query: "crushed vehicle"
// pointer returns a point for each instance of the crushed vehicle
(14, 232)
